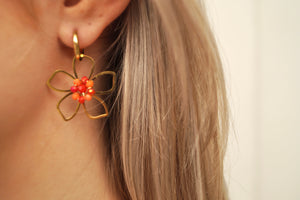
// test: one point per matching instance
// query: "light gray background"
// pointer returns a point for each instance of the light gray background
(259, 42)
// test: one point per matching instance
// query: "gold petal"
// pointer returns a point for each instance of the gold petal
(53, 75)
(82, 56)
(61, 113)
(97, 116)
(113, 81)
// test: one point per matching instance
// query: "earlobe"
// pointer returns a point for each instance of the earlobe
(88, 18)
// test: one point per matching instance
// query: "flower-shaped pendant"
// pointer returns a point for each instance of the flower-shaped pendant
(82, 89)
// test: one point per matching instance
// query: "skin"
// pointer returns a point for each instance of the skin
(41, 155)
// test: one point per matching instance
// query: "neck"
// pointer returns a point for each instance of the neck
(51, 161)
(49, 158)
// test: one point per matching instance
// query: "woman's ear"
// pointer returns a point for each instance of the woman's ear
(89, 18)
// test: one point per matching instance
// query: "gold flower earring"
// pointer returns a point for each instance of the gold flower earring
(82, 89)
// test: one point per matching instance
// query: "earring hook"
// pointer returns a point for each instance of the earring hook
(78, 54)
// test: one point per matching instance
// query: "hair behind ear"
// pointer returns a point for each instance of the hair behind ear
(169, 121)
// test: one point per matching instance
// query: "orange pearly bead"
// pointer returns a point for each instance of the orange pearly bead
(88, 97)
(75, 96)
(77, 82)
(89, 83)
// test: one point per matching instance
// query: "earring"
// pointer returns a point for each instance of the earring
(82, 89)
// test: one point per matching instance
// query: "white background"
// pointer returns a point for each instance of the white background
(259, 41)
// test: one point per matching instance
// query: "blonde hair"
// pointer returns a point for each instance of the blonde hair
(169, 114)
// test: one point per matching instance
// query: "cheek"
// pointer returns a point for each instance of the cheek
(19, 77)
(20, 86)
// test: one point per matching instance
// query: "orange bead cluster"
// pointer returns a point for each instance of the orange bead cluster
(82, 89)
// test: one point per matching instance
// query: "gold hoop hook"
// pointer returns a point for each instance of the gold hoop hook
(77, 52)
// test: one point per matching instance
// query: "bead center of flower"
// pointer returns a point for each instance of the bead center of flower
(82, 89)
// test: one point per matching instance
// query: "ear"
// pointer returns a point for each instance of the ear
(89, 18)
